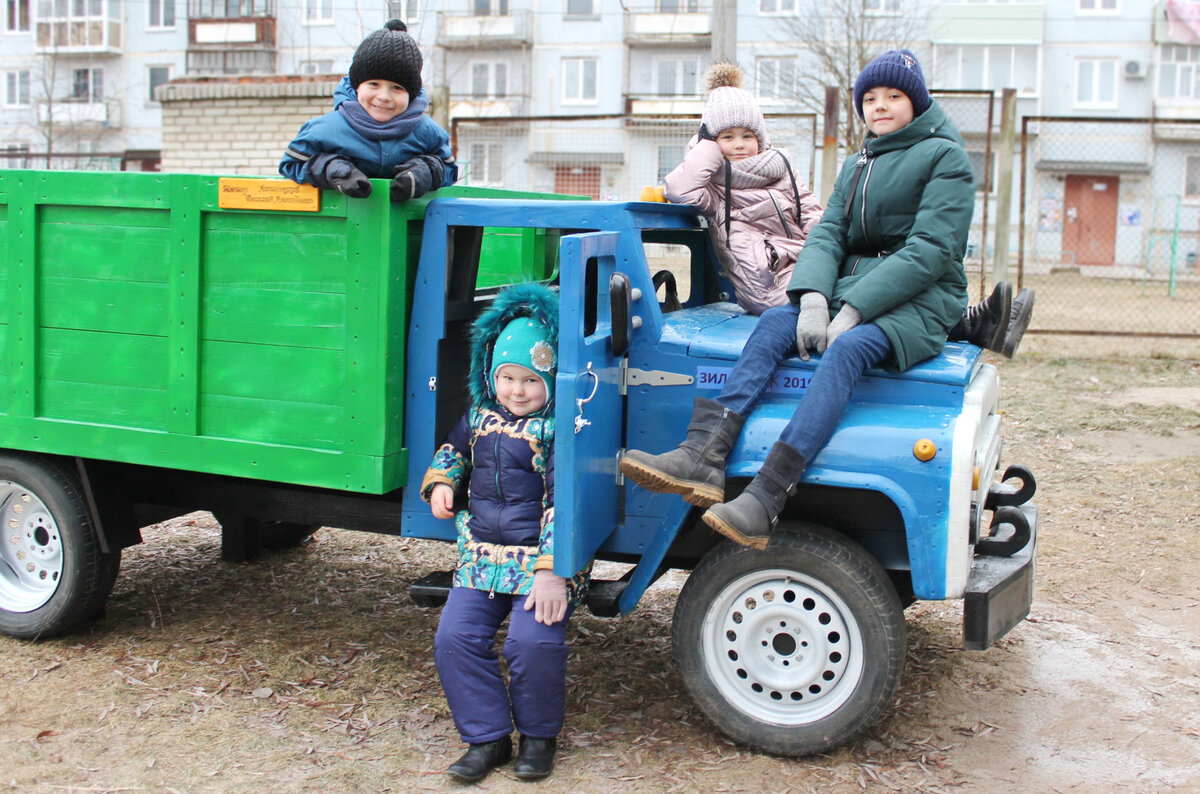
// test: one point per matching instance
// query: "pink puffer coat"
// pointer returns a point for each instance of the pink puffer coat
(763, 202)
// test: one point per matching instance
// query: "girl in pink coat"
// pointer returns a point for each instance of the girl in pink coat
(759, 212)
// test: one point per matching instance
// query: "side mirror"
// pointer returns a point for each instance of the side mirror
(620, 300)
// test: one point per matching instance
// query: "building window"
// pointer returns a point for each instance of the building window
(404, 10)
(486, 166)
(489, 8)
(1099, 7)
(669, 156)
(87, 85)
(581, 8)
(324, 66)
(984, 175)
(156, 76)
(78, 23)
(14, 155)
(678, 6)
(318, 12)
(775, 7)
(1179, 72)
(881, 7)
(162, 14)
(579, 80)
(993, 67)
(1191, 176)
(16, 18)
(489, 80)
(776, 79)
(676, 76)
(1096, 82)
(16, 89)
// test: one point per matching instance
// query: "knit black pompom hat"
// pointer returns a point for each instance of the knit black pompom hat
(388, 54)
(894, 69)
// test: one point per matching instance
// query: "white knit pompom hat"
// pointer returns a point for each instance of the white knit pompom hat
(729, 105)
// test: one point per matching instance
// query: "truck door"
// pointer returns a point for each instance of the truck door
(589, 410)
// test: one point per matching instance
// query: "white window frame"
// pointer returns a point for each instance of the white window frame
(14, 91)
(777, 93)
(13, 8)
(491, 81)
(1096, 8)
(495, 8)
(1095, 65)
(94, 96)
(1185, 71)
(1015, 53)
(161, 6)
(684, 7)
(778, 8)
(407, 11)
(1188, 160)
(150, 100)
(592, 11)
(573, 86)
(488, 170)
(318, 12)
(680, 89)
(668, 157)
(882, 8)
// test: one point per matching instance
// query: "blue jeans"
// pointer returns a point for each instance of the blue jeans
(839, 370)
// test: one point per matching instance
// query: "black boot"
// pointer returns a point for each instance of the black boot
(985, 323)
(481, 759)
(535, 759)
(1018, 321)
(696, 468)
(750, 517)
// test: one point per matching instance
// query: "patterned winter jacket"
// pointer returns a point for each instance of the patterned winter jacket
(769, 217)
(507, 533)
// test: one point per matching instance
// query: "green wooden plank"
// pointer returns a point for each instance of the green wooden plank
(185, 272)
(127, 360)
(249, 313)
(5, 396)
(103, 305)
(99, 189)
(271, 372)
(273, 421)
(273, 250)
(103, 217)
(366, 276)
(130, 253)
(21, 349)
(103, 403)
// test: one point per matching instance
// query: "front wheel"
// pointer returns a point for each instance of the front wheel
(52, 571)
(792, 650)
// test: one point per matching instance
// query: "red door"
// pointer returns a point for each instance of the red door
(1090, 220)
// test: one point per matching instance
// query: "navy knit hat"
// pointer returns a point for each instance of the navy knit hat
(894, 69)
(388, 54)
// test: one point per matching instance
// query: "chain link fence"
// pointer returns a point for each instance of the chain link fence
(1109, 231)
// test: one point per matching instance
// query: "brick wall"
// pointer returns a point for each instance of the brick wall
(237, 125)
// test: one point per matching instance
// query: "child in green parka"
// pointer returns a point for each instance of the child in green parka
(879, 282)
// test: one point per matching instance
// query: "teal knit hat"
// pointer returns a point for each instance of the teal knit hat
(525, 342)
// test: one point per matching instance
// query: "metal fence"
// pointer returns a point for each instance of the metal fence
(1109, 230)
(70, 161)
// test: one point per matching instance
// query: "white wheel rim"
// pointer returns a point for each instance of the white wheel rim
(31, 550)
(782, 647)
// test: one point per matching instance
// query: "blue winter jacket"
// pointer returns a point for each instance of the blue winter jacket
(332, 134)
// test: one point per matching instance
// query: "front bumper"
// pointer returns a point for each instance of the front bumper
(999, 590)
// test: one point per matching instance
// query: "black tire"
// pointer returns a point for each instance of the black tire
(792, 650)
(53, 574)
(275, 535)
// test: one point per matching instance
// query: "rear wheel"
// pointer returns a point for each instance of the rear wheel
(52, 571)
(792, 650)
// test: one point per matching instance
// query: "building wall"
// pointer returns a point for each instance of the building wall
(230, 127)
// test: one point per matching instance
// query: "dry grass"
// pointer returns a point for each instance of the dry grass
(310, 670)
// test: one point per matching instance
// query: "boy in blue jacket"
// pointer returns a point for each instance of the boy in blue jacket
(378, 128)
(502, 453)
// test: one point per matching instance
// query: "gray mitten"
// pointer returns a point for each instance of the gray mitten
(845, 319)
(341, 175)
(812, 324)
(417, 177)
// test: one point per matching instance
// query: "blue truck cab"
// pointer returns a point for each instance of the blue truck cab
(794, 649)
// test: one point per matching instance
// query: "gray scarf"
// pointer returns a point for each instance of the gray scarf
(763, 169)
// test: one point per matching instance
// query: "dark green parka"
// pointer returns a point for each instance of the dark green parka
(892, 239)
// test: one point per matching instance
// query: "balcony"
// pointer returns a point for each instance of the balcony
(649, 105)
(231, 45)
(469, 31)
(78, 35)
(656, 29)
(465, 106)
(68, 113)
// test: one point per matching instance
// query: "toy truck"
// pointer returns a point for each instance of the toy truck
(290, 360)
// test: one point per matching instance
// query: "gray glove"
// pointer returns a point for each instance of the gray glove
(845, 319)
(417, 177)
(812, 324)
(341, 175)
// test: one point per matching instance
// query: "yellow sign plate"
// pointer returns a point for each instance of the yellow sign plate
(267, 194)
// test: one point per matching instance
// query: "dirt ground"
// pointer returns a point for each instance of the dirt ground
(310, 670)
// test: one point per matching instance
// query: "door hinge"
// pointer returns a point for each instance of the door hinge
(650, 377)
